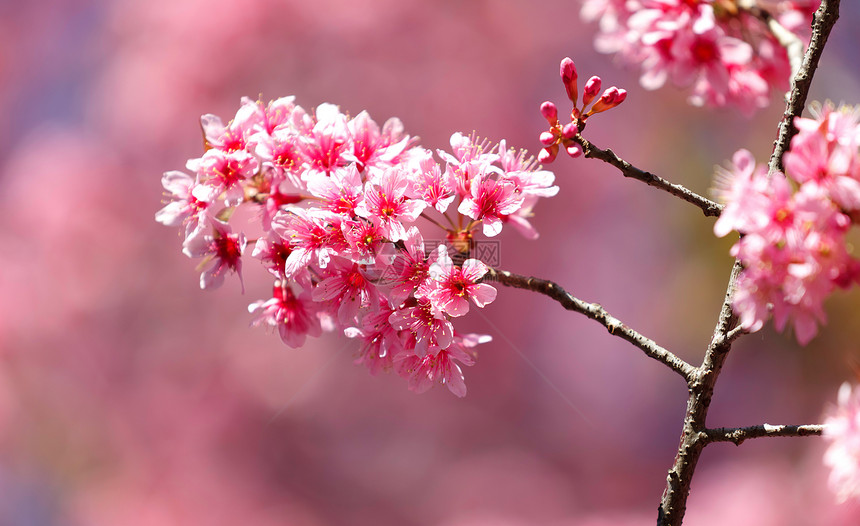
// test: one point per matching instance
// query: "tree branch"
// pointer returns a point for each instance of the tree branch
(694, 435)
(594, 311)
(739, 434)
(708, 207)
(825, 17)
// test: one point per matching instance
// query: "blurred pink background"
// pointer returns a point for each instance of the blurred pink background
(129, 396)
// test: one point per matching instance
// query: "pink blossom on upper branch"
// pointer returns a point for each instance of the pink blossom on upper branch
(723, 52)
(842, 431)
(341, 209)
(794, 227)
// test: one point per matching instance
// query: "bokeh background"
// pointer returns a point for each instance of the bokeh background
(130, 397)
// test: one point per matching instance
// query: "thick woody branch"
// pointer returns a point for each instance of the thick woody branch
(825, 17)
(739, 434)
(695, 436)
(708, 207)
(594, 311)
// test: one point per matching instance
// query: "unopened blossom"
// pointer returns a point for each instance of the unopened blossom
(562, 134)
(842, 432)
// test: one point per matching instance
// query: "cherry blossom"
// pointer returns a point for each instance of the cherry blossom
(222, 252)
(793, 248)
(340, 210)
(723, 52)
(455, 285)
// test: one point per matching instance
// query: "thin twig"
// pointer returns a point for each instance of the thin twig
(739, 434)
(708, 207)
(594, 311)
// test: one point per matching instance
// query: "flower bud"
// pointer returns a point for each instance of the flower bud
(611, 97)
(591, 89)
(548, 138)
(570, 130)
(549, 112)
(547, 155)
(569, 78)
(573, 150)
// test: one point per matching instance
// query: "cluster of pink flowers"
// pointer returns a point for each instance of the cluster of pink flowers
(793, 245)
(338, 202)
(563, 134)
(842, 431)
(722, 51)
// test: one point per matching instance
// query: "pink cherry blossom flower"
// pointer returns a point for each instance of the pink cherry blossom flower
(308, 235)
(380, 342)
(824, 153)
(520, 219)
(374, 148)
(273, 253)
(489, 200)
(284, 112)
(348, 289)
(282, 152)
(431, 185)
(222, 251)
(221, 173)
(454, 286)
(793, 248)
(233, 137)
(386, 203)
(525, 173)
(184, 209)
(294, 316)
(367, 244)
(842, 432)
(331, 199)
(426, 323)
(745, 190)
(441, 366)
(326, 144)
(730, 58)
(340, 192)
(409, 269)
